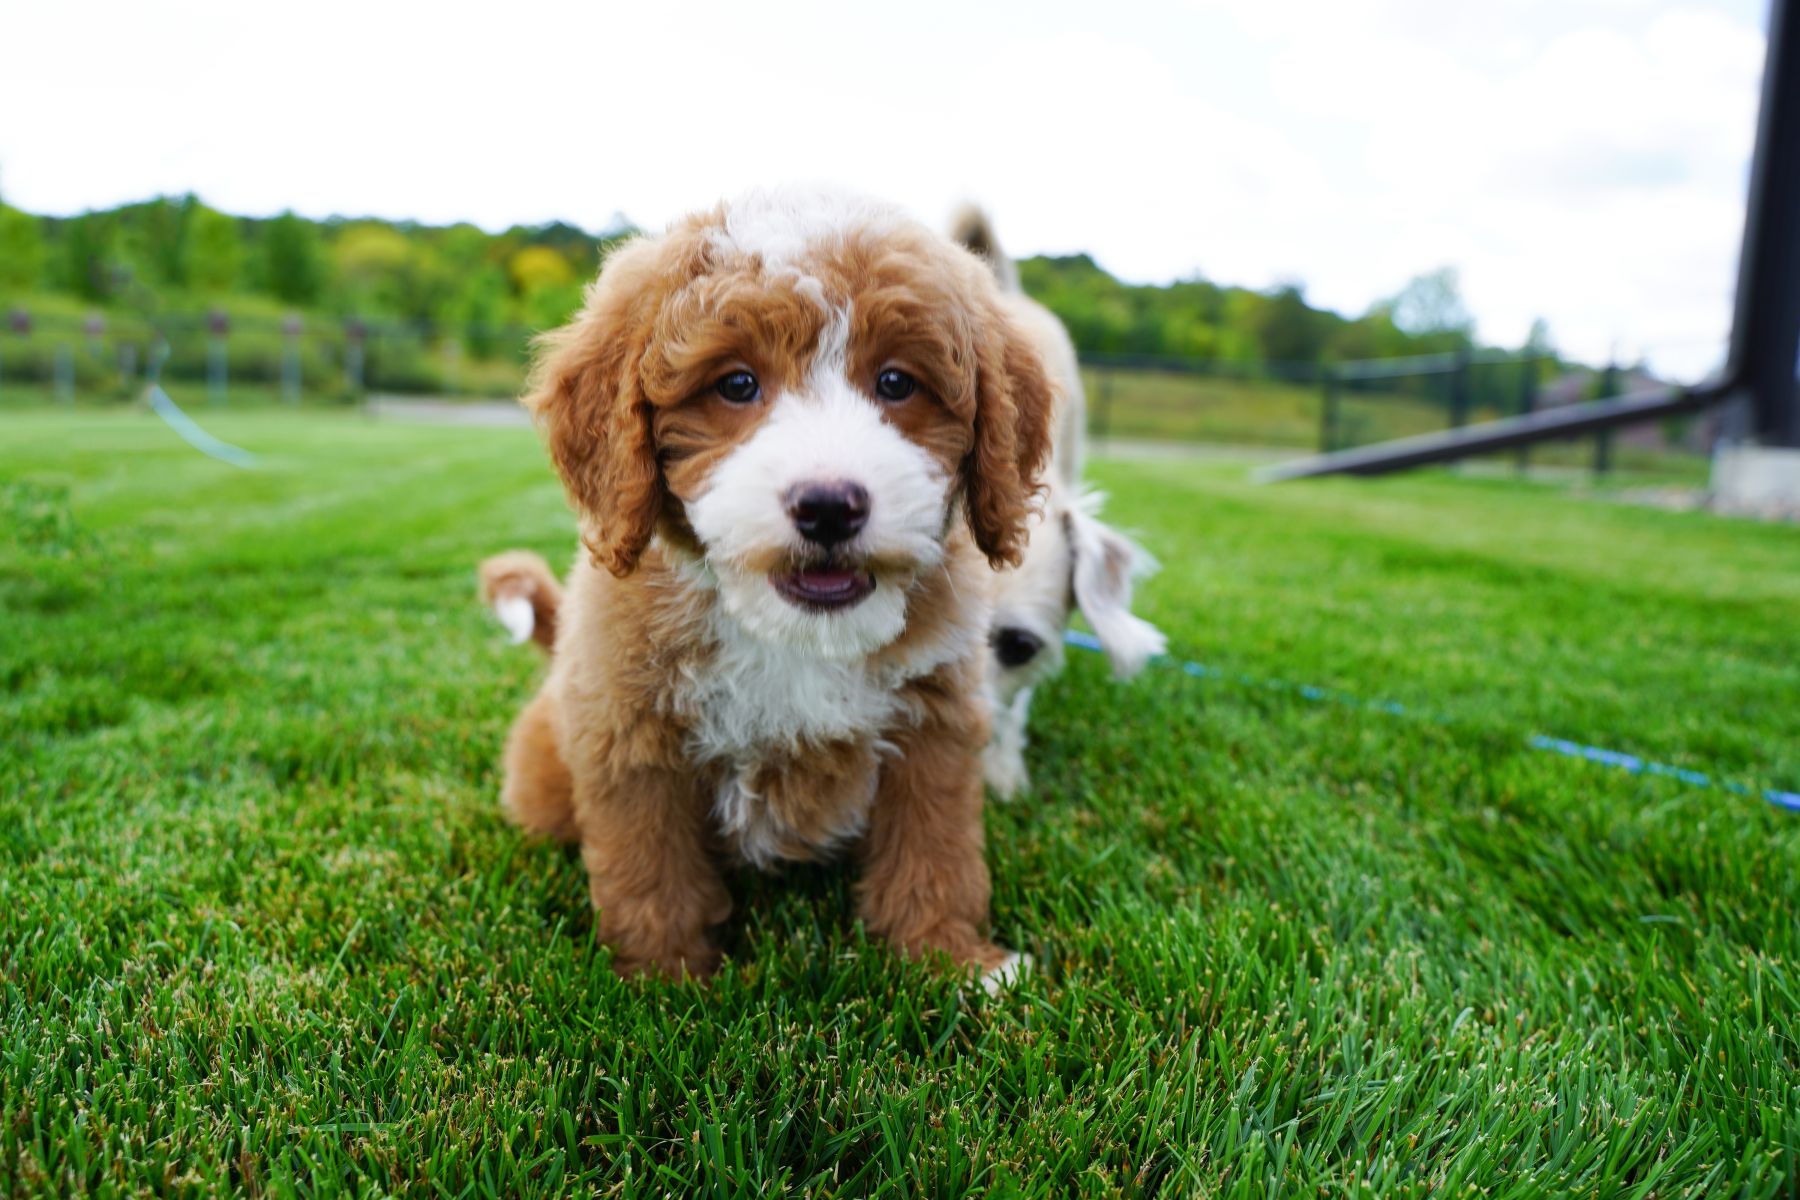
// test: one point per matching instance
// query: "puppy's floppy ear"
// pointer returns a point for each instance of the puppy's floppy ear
(1013, 405)
(587, 396)
(1105, 563)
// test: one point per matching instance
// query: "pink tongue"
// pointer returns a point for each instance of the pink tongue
(829, 581)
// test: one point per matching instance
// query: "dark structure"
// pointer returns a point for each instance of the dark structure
(1760, 375)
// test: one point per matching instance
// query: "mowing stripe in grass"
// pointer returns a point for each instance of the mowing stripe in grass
(1536, 741)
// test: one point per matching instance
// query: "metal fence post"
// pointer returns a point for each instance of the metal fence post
(64, 374)
(291, 327)
(1528, 377)
(1603, 439)
(353, 357)
(452, 352)
(1328, 410)
(1102, 422)
(93, 326)
(1459, 390)
(19, 322)
(218, 327)
(127, 367)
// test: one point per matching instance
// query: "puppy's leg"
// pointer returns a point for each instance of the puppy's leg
(653, 881)
(538, 795)
(1003, 759)
(925, 884)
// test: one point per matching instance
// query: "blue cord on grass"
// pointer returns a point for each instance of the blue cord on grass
(193, 435)
(1537, 741)
(184, 425)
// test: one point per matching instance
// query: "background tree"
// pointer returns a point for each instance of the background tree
(369, 260)
(88, 268)
(1538, 343)
(293, 260)
(175, 253)
(1431, 306)
(215, 250)
(1289, 329)
(160, 230)
(546, 283)
(482, 310)
(21, 250)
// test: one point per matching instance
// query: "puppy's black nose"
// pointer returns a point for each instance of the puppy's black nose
(828, 513)
(1015, 647)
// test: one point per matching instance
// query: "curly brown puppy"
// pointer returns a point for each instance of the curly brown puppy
(799, 431)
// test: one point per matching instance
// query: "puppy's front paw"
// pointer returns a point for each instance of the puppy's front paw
(1003, 767)
(967, 949)
(1014, 966)
(698, 960)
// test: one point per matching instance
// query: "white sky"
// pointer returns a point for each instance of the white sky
(1580, 160)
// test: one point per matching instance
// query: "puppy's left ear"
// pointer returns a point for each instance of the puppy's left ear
(1106, 563)
(1013, 408)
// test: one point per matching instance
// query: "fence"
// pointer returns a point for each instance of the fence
(1368, 402)
(214, 359)
(219, 358)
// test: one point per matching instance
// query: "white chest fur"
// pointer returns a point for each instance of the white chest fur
(757, 700)
(756, 697)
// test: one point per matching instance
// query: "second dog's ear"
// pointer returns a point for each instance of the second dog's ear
(587, 398)
(1105, 563)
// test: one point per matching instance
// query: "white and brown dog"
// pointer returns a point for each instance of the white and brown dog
(1072, 560)
(801, 432)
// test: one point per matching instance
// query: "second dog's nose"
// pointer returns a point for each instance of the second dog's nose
(828, 513)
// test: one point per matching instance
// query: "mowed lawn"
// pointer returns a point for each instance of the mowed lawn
(262, 929)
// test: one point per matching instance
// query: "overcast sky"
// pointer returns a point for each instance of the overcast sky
(1579, 160)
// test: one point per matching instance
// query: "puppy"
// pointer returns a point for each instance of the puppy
(1071, 559)
(800, 432)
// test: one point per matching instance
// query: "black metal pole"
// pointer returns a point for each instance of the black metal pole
(1765, 337)
(1528, 370)
(1609, 387)
(1103, 410)
(1328, 412)
(1547, 424)
(1459, 391)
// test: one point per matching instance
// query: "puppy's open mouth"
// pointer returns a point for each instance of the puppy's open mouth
(824, 588)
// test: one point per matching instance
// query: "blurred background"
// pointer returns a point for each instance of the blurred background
(1306, 224)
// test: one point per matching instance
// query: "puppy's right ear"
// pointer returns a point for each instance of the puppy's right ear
(586, 393)
(1106, 563)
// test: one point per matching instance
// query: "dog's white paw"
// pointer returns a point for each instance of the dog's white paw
(515, 613)
(1003, 766)
(1006, 974)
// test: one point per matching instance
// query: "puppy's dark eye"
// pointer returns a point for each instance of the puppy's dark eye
(895, 385)
(739, 387)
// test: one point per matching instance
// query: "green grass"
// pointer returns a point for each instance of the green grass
(262, 929)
